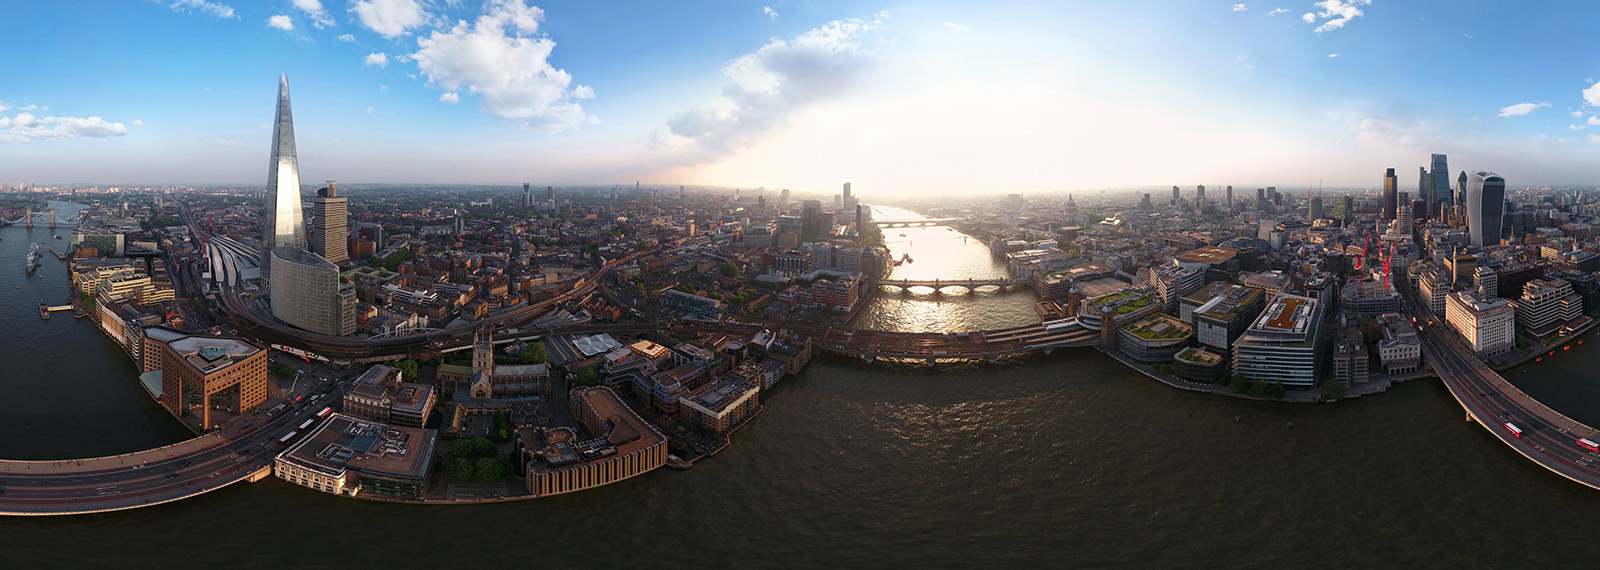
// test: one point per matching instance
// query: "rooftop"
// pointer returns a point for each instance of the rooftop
(1286, 314)
(1223, 301)
(1211, 254)
(1160, 326)
(210, 354)
(1199, 355)
(720, 395)
(342, 442)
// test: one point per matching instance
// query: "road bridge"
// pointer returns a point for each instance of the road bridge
(144, 478)
(942, 284)
(917, 222)
(1547, 437)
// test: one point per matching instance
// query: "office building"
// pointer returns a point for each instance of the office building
(1439, 178)
(345, 455)
(330, 225)
(1155, 338)
(1400, 351)
(618, 444)
(723, 405)
(1283, 343)
(811, 221)
(380, 396)
(1545, 306)
(1228, 194)
(1486, 202)
(200, 374)
(1220, 312)
(1486, 283)
(1403, 216)
(1316, 207)
(307, 293)
(1424, 190)
(1390, 194)
(1488, 326)
(282, 223)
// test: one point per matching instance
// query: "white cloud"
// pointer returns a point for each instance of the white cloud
(1521, 109)
(281, 22)
(313, 10)
(379, 59)
(369, 110)
(1468, 36)
(1278, 11)
(1592, 95)
(389, 18)
(1337, 13)
(347, 38)
(772, 15)
(1593, 138)
(771, 84)
(1594, 121)
(24, 127)
(451, 98)
(1573, 113)
(954, 27)
(383, 88)
(213, 8)
(1333, 55)
(495, 57)
(224, 143)
(1238, 7)
(137, 122)
(1577, 127)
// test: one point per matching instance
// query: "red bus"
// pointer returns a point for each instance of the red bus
(324, 413)
(1589, 445)
(1515, 431)
(285, 439)
(307, 424)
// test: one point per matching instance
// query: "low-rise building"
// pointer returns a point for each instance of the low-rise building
(1545, 306)
(618, 445)
(1199, 365)
(1220, 312)
(380, 396)
(1400, 351)
(725, 404)
(345, 455)
(1155, 338)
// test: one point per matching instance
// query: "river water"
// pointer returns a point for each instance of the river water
(1066, 460)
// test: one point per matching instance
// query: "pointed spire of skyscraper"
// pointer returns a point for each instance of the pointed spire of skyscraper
(282, 223)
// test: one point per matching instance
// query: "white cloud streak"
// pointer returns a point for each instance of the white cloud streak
(772, 15)
(24, 127)
(1239, 7)
(377, 58)
(1335, 13)
(281, 22)
(1521, 109)
(213, 8)
(314, 12)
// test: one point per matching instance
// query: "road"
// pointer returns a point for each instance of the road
(1548, 438)
(149, 477)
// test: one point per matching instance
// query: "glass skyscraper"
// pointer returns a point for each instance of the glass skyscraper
(1439, 175)
(1486, 203)
(282, 223)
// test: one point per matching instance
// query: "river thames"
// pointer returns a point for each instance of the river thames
(1067, 460)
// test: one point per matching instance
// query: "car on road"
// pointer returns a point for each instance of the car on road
(172, 476)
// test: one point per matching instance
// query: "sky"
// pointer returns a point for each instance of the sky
(899, 98)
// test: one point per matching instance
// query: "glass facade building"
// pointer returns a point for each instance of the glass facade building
(282, 222)
(1486, 203)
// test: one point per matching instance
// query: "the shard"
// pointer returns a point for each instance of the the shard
(282, 223)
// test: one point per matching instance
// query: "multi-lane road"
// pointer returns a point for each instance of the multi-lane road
(149, 477)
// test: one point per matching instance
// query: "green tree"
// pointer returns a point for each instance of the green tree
(1239, 384)
(730, 269)
(534, 353)
(473, 448)
(1258, 387)
(459, 467)
(1277, 390)
(487, 469)
(283, 371)
(1332, 389)
(588, 377)
(408, 370)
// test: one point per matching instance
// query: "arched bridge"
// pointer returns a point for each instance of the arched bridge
(918, 222)
(937, 284)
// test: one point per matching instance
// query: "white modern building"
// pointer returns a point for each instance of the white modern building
(1488, 326)
(1283, 343)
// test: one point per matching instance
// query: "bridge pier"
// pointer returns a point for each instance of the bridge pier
(871, 359)
(930, 362)
(993, 359)
(1048, 349)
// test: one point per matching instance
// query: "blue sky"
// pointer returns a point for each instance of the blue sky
(897, 97)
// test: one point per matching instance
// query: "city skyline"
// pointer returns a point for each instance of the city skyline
(902, 98)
